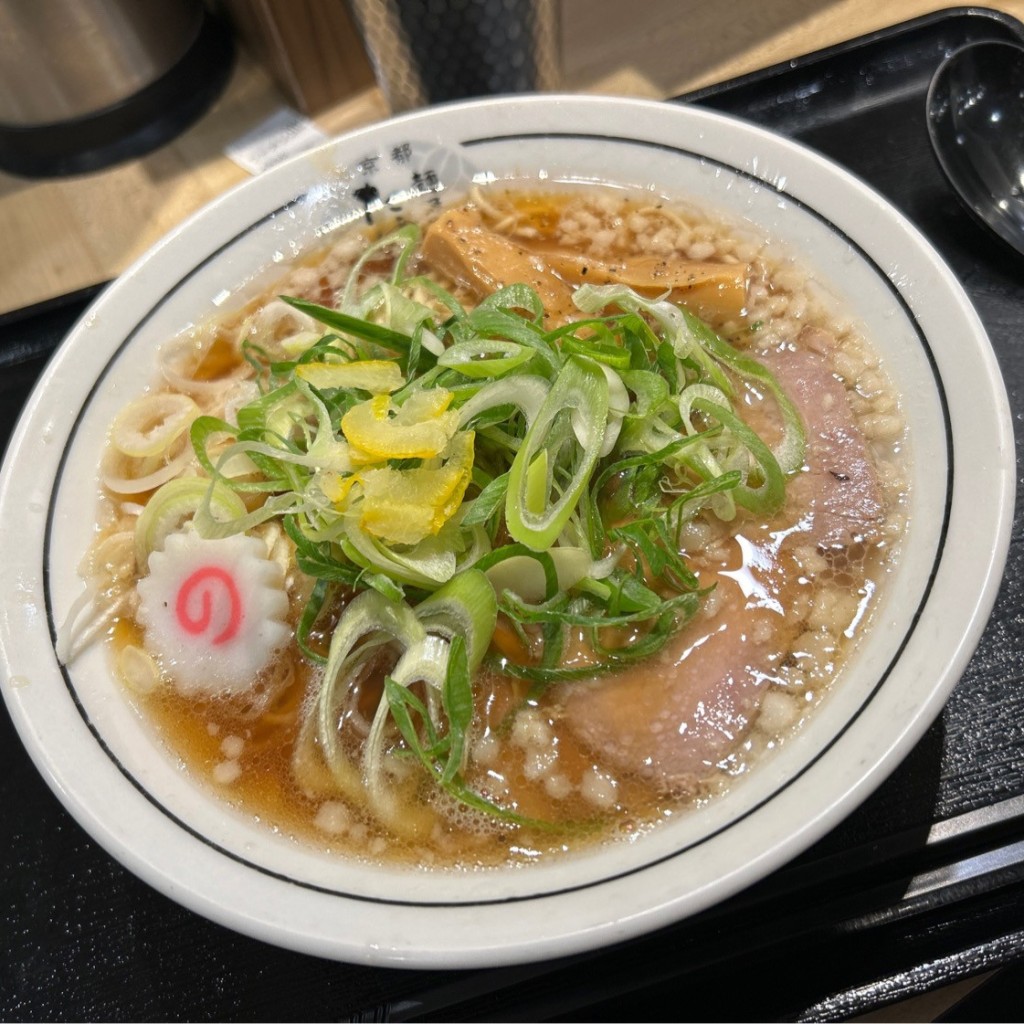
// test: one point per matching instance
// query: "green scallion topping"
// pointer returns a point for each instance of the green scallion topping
(543, 476)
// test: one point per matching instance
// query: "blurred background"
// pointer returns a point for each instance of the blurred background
(205, 94)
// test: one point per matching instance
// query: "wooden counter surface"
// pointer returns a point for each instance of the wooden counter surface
(64, 234)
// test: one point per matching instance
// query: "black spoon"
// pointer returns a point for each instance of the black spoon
(976, 123)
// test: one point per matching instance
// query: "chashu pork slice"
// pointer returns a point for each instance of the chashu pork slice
(672, 718)
(839, 487)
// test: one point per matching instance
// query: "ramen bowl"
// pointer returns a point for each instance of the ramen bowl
(113, 773)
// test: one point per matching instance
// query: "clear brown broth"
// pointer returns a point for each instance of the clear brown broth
(206, 734)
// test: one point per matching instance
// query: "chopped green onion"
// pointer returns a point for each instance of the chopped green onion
(585, 449)
(539, 501)
(465, 607)
(175, 502)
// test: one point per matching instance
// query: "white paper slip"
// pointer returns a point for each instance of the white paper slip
(283, 134)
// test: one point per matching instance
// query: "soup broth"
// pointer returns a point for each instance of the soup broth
(722, 556)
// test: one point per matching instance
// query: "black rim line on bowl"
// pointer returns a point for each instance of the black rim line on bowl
(360, 897)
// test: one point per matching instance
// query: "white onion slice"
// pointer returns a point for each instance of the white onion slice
(116, 474)
(152, 423)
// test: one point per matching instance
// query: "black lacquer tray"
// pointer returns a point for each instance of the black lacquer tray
(922, 885)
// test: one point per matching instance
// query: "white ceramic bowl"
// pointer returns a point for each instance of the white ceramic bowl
(109, 770)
